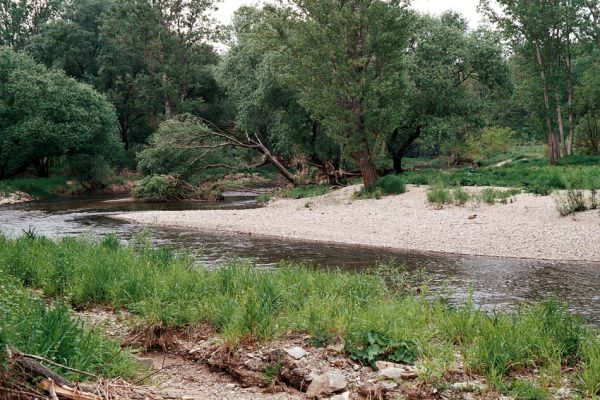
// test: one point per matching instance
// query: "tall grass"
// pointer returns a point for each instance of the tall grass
(32, 327)
(242, 303)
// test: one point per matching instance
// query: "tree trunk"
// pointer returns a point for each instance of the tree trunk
(397, 160)
(551, 140)
(275, 162)
(367, 169)
(42, 167)
(561, 129)
(570, 106)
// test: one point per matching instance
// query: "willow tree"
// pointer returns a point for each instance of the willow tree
(346, 60)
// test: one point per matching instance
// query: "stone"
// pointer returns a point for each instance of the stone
(296, 352)
(386, 364)
(469, 387)
(391, 373)
(325, 384)
(343, 396)
(403, 372)
(388, 385)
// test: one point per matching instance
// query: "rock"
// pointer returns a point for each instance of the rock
(146, 362)
(386, 364)
(404, 372)
(469, 387)
(564, 393)
(343, 396)
(391, 373)
(339, 347)
(296, 352)
(388, 385)
(325, 384)
(472, 216)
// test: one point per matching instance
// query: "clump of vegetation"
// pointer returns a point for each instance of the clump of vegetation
(162, 188)
(301, 192)
(573, 201)
(52, 332)
(386, 185)
(243, 303)
(493, 195)
(37, 187)
(440, 195)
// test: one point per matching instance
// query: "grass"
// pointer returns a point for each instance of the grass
(301, 192)
(532, 175)
(32, 327)
(386, 185)
(37, 187)
(244, 303)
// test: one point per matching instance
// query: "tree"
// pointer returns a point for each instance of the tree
(346, 61)
(22, 19)
(266, 105)
(186, 145)
(545, 30)
(45, 115)
(155, 61)
(448, 68)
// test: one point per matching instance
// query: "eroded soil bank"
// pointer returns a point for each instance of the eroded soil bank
(528, 226)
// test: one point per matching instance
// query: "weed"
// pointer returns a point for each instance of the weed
(523, 390)
(376, 346)
(264, 198)
(460, 196)
(492, 195)
(301, 192)
(439, 195)
(573, 201)
(272, 371)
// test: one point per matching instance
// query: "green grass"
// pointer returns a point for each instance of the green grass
(244, 303)
(301, 192)
(33, 327)
(386, 185)
(37, 187)
(532, 175)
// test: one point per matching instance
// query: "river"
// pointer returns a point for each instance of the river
(495, 283)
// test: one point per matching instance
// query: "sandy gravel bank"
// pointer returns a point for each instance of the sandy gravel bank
(530, 227)
(15, 198)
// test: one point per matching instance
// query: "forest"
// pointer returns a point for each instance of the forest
(320, 91)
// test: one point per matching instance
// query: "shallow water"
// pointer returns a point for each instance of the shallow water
(494, 282)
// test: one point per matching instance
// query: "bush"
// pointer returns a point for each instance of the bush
(439, 195)
(573, 201)
(391, 184)
(161, 188)
(460, 196)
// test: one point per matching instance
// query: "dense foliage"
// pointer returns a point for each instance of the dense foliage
(321, 90)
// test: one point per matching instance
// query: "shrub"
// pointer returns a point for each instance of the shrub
(573, 201)
(439, 195)
(391, 184)
(460, 196)
(160, 188)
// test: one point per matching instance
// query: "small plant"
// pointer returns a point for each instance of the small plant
(378, 347)
(271, 372)
(263, 198)
(439, 195)
(523, 390)
(493, 196)
(460, 196)
(571, 202)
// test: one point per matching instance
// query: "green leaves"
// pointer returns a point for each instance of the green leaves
(379, 347)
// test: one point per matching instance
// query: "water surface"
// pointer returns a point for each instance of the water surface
(494, 282)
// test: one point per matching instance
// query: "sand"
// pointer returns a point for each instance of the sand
(527, 227)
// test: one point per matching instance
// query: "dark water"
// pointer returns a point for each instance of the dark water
(494, 282)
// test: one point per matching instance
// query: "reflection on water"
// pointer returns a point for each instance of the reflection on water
(494, 282)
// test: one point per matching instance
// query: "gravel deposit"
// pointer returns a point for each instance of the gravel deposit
(528, 226)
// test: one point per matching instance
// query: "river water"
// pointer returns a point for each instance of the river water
(495, 283)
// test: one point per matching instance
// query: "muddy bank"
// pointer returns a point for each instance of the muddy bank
(528, 227)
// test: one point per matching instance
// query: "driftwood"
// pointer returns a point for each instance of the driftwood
(52, 383)
(66, 391)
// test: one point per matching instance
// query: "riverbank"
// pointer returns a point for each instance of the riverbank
(528, 226)
(310, 333)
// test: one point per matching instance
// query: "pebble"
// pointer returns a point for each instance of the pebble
(296, 352)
